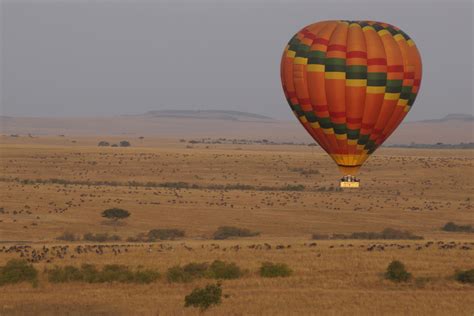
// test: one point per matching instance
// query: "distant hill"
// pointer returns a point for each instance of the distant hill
(451, 129)
(209, 114)
(452, 117)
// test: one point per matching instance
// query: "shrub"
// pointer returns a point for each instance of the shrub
(387, 233)
(225, 232)
(320, 236)
(177, 274)
(109, 273)
(273, 270)
(146, 276)
(100, 237)
(466, 276)
(223, 270)
(164, 234)
(204, 297)
(452, 227)
(103, 143)
(65, 274)
(293, 187)
(140, 237)
(67, 236)
(187, 273)
(89, 273)
(16, 271)
(396, 272)
(191, 271)
(124, 143)
(115, 213)
(196, 270)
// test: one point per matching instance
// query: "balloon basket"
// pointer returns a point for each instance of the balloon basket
(349, 182)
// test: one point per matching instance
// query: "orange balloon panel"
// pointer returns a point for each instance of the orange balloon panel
(350, 83)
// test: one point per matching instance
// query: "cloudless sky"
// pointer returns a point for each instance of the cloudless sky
(98, 58)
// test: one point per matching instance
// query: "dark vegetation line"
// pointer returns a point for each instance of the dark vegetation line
(435, 146)
(167, 185)
(386, 234)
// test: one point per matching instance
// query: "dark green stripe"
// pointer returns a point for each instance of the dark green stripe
(335, 61)
(376, 83)
(411, 99)
(353, 133)
(394, 83)
(335, 68)
(404, 95)
(317, 53)
(363, 139)
(377, 75)
(356, 68)
(294, 41)
(356, 75)
(297, 109)
(311, 117)
(370, 144)
(316, 60)
(325, 122)
(406, 89)
(393, 89)
(339, 128)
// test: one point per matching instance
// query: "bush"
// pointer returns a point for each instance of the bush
(216, 270)
(100, 237)
(67, 236)
(140, 237)
(204, 297)
(124, 143)
(103, 143)
(396, 272)
(466, 276)
(109, 273)
(115, 213)
(273, 270)
(387, 233)
(225, 232)
(320, 237)
(452, 227)
(293, 187)
(177, 274)
(65, 274)
(164, 234)
(223, 270)
(16, 271)
(187, 273)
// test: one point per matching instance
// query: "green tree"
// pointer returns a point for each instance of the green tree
(397, 272)
(204, 297)
(115, 214)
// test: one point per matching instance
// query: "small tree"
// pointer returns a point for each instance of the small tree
(396, 272)
(204, 297)
(466, 276)
(115, 214)
(103, 143)
(274, 270)
(124, 143)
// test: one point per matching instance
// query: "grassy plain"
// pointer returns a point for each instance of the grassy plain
(50, 185)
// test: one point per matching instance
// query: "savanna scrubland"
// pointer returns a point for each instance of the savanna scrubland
(53, 186)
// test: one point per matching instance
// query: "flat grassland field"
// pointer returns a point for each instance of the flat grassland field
(51, 185)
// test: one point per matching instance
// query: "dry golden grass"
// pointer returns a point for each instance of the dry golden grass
(417, 190)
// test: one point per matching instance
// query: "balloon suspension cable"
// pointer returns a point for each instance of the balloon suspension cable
(349, 181)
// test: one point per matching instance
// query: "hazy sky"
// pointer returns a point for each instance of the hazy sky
(87, 58)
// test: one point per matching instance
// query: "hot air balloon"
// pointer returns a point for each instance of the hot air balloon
(350, 84)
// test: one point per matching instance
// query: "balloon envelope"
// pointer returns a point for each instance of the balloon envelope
(350, 84)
